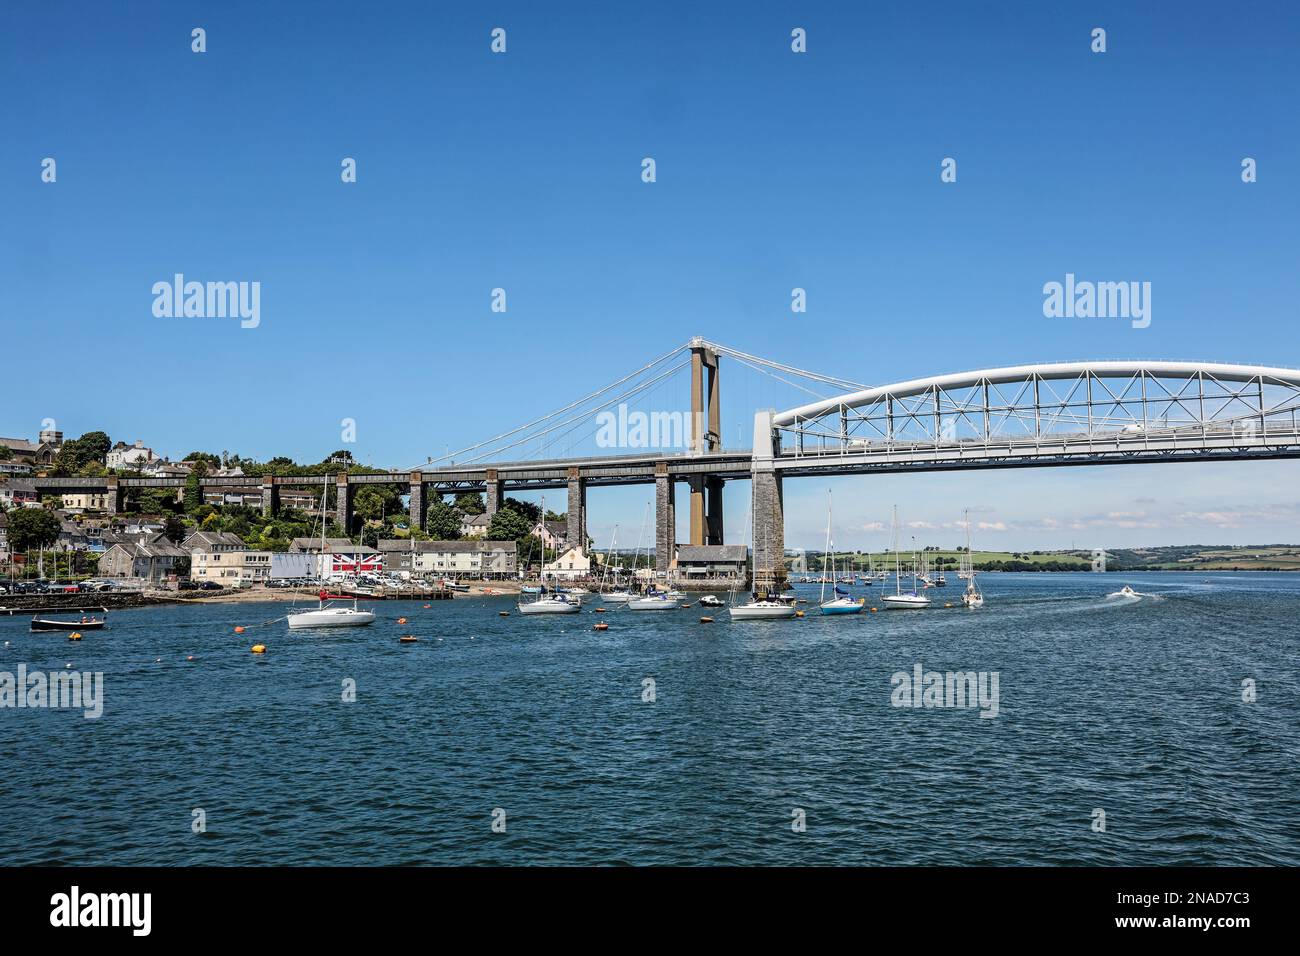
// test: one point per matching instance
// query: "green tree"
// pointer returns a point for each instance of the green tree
(375, 502)
(443, 521)
(470, 503)
(5, 453)
(207, 457)
(530, 512)
(509, 525)
(193, 490)
(32, 528)
(94, 446)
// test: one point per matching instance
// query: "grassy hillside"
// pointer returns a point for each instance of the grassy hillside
(1272, 557)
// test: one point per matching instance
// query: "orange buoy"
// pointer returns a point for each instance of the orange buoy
(428, 605)
(873, 610)
(504, 613)
(798, 613)
(401, 620)
(600, 610)
(259, 648)
(949, 604)
(239, 629)
(74, 636)
(602, 626)
(407, 639)
(706, 620)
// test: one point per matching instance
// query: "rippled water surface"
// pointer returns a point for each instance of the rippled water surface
(1133, 707)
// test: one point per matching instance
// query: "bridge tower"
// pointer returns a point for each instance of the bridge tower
(706, 436)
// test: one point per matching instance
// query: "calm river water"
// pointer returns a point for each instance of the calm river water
(1131, 707)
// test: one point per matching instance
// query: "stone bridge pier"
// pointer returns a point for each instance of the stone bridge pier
(494, 493)
(270, 496)
(417, 508)
(343, 507)
(768, 503)
(665, 519)
(577, 514)
(115, 497)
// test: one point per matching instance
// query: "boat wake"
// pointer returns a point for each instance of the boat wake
(1129, 596)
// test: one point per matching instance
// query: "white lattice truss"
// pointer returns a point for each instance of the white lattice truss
(1053, 410)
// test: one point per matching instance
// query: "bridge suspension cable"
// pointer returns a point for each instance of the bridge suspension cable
(554, 422)
(550, 415)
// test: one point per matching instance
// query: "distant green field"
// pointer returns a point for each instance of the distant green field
(1170, 558)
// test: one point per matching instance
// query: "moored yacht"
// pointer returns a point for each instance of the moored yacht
(329, 614)
(899, 601)
(551, 604)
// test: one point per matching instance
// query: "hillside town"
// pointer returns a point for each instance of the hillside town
(213, 538)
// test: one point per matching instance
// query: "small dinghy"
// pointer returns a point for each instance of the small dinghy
(50, 624)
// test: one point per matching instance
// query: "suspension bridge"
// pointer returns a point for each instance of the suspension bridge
(1054, 414)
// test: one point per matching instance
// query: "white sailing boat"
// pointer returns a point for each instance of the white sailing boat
(653, 601)
(328, 613)
(621, 595)
(840, 602)
(971, 597)
(899, 600)
(763, 607)
(553, 602)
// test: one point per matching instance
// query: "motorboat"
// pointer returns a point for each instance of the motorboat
(50, 624)
(1127, 591)
(710, 600)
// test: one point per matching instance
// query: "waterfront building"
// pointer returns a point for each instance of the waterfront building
(711, 566)
(212, 542)
(148, 559)
(475, 557)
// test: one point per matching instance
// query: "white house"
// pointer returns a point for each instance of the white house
(474, 526)
(123, 455)
(573, 563)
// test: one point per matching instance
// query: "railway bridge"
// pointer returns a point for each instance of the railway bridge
(1043, 415)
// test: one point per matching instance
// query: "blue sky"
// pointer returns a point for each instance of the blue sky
(522, 171)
